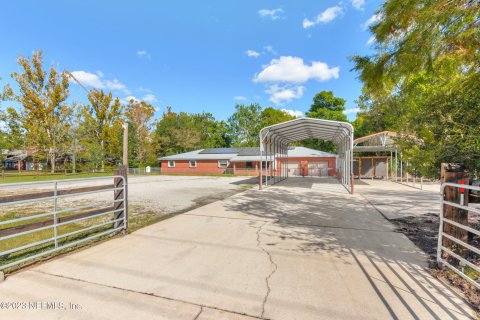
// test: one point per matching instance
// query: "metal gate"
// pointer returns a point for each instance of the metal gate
(40, 218)
(460, 256)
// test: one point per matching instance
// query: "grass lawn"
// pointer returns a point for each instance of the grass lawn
(32, 176)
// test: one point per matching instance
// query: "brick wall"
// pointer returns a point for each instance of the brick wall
(203, 167)
(211, 167)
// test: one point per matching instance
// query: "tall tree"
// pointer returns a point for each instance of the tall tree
(326, 106)
(245, 125)
(213, 133)
(329, 107)
(12, 135)
(102, 120)
(177, 133)
(271, 116)
(423, 80)
(42, 96)
(139, 114)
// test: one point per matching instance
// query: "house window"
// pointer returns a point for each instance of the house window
(171, 164)
(222, 163)
(192, 164)
(249, 165)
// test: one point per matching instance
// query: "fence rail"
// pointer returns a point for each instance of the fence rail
(46, 228)
(461, 257)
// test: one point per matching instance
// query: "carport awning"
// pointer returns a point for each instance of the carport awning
(274, 141)
(381, 141)
(304, 128)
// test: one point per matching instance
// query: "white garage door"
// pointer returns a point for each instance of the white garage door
(293, 168)
(318, 168)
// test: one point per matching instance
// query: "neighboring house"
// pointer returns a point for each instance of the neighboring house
(246, 161)
(15, 160)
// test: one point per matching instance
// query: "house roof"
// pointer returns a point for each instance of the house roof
(242, 154)
(307, 152)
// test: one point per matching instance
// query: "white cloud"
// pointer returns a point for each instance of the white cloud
(96, 80)
(325, 17)
(293, 70)
(274, 14)
(269, 49)
(89, 79)
(240, 98)
(252, 53)
(280, 94)
(352, 110)
(371, 40)
(358, 4)
(150, 98)
(308, 23)
(295, 113)
(116, 85)
(372, 20)
(141, 53)
(126, 100)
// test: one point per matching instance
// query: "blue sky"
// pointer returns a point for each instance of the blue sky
(196, 55)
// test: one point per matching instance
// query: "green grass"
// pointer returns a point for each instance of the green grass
(31, 177)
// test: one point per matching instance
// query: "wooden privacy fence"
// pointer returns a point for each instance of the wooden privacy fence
(40, 218)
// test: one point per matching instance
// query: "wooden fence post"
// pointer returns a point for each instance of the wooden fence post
(122, 170)
(455, 173)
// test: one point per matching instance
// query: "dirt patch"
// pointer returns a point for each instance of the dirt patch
(423, 232)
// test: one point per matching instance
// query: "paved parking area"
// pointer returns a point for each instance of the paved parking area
(302, 249)
(397, 200)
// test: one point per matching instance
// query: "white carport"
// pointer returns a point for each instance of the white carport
(275, 139)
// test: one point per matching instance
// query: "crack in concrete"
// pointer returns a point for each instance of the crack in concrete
(148, 294)
(274, 269)
(199, 313)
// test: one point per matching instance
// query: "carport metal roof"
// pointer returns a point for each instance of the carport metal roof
(274, 141)
(381, 141)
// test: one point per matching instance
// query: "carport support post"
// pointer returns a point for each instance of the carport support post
(260, 177)
(275, 162)
(266, 163)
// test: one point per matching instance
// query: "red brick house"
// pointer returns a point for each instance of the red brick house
(246, 161)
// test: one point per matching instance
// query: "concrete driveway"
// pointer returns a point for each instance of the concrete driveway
(397, 200)
(303, 249)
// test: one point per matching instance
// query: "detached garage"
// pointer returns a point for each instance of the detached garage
(313, 163)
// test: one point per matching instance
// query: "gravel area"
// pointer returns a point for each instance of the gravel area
(169, 194)
(155, 194)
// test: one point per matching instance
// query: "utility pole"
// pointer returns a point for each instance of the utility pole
(74, 155)
(125, 144)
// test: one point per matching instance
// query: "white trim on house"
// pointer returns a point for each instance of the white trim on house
(171, 163)
(192, 163)
(223, 165)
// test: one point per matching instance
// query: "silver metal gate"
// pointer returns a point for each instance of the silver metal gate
(464, 262)
(68, 216)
